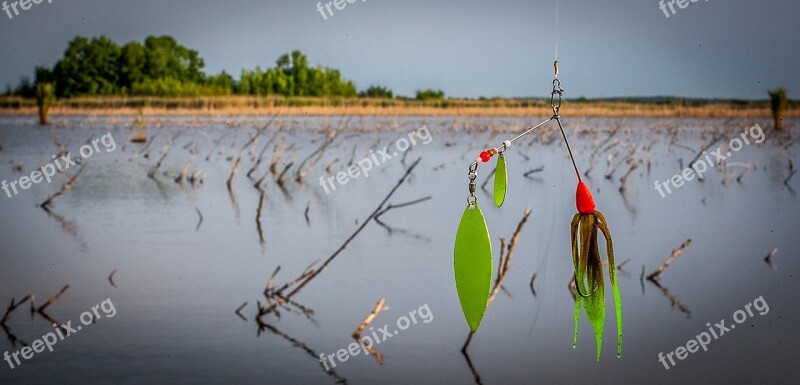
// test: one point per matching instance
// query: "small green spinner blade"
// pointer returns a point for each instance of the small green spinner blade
(500, 181)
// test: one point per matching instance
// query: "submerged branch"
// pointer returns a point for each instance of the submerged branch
(675, 253)
(312, 275)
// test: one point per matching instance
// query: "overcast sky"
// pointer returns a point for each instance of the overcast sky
(716, 48)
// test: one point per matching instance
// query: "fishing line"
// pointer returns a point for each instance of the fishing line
(556, 37)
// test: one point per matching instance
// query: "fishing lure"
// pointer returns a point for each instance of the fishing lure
(589, 268)
(473, 246)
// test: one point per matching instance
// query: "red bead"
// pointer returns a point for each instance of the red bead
(485, 157)
(583, 199)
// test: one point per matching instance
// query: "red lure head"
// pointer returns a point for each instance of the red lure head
(583, 199)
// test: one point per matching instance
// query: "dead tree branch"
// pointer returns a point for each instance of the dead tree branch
(675, 253)
(371, 316)
(13, 306)
(52, 299)
(341, 248)
(66, 186)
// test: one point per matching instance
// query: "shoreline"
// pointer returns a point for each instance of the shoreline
(252, 106)
(594, 112)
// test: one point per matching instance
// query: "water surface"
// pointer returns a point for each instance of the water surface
(177, 285)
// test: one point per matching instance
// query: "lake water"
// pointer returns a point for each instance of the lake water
(177, 286)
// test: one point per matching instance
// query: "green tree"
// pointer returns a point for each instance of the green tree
(160, 66)
(88, 67)
(165, 58)
(222, 84)
(377, 92)
(430, 94)
(25, 88)
(132, 63)
(300, 73)
(292, 76)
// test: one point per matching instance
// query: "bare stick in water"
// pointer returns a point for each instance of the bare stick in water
(152, 172)
(341, 248)
(66, 186)
(200, 222)
(239, 310)
(13, 306)
(234, 170)
(53, 299)
(768, 259)
(675, 253)
(371, 316)
(533, 171)
(674, 302)
(185, 170)
(390, 206)
(299, 344)
(792, 171)
(280, 179)
(111, 278)
(302, 171)
(258, 215)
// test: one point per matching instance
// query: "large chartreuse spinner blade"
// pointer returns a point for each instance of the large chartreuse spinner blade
(500, 181)
(473, 265)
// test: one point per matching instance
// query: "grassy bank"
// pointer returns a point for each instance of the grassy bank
(255, 105)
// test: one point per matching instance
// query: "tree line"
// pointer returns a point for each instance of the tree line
(160, 66)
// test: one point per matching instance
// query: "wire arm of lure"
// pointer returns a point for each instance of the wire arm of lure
(528, 131)
(555, 104)
(487, 155)
(571, 157)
